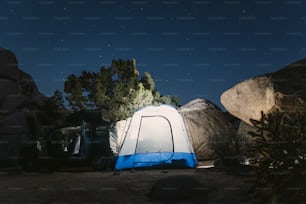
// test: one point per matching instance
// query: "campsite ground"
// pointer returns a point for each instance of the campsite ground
(205, 185)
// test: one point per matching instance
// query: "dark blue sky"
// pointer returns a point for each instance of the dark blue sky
(192, 48)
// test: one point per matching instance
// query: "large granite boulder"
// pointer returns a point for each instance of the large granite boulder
(20, 101)
(284, 90)
(204, 120)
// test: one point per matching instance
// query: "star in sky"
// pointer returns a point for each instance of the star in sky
(219, 43)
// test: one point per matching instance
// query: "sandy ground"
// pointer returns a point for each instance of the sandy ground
(133, 186)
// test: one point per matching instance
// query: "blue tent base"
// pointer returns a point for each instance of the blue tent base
(157, 160)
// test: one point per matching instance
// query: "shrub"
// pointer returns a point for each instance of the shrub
(280, 143)
(227, 147)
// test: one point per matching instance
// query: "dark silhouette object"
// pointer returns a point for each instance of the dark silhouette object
(20, 104)
(8, 65)
(94, 116)
(177, 188)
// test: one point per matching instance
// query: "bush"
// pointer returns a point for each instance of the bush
(280, 143)
(228, 148)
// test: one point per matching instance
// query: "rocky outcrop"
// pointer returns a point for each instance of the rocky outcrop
(203, 120)
(20, 101)
(8, 65)
(284, 90)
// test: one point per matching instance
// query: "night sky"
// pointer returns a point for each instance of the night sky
(192, 48)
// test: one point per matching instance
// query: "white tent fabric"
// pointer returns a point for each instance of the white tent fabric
(155, 135)
(117, 134)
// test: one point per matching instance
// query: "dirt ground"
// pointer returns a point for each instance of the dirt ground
(134, 186)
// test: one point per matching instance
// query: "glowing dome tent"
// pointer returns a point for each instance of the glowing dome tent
(156, 136)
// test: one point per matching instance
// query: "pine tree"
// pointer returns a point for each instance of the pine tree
(58, 99)
(73, 87)
(115, 89)
(147, 81)
(54, 108)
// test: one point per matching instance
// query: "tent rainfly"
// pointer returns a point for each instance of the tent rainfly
(155, 136)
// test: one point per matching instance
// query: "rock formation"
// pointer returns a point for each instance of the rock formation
(203, 120)
(19, 102)
(284, 90)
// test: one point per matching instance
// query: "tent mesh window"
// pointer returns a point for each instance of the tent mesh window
(156, 138)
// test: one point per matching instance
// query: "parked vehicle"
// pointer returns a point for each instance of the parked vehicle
(86, 144)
